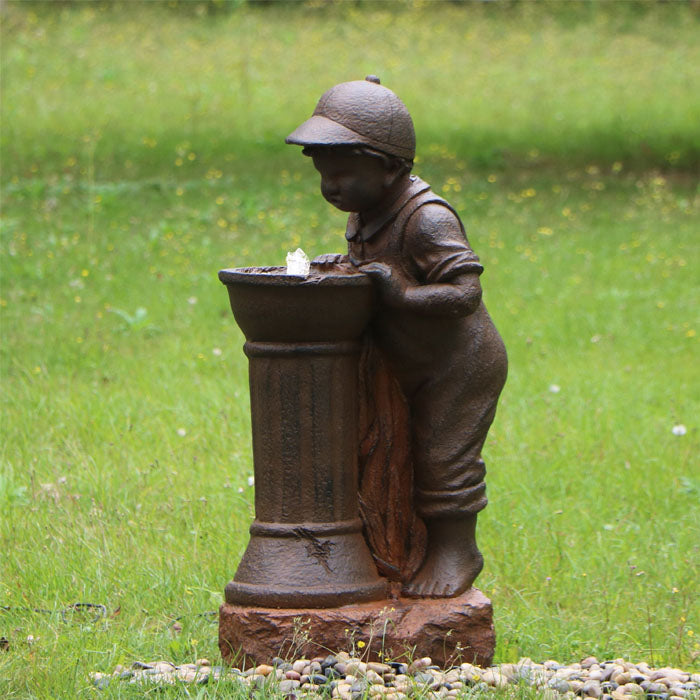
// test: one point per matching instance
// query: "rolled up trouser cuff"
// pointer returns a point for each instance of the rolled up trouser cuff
(449, 504)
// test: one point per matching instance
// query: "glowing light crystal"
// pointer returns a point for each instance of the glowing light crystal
(298, 263)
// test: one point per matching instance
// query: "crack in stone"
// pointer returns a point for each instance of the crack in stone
(315, 548)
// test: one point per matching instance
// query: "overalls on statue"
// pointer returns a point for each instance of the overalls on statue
(429, 387)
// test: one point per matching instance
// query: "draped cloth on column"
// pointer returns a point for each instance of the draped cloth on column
(395, 534)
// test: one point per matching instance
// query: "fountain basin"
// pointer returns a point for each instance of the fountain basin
(331, 304)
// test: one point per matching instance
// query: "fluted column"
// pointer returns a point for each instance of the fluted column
(306, 547)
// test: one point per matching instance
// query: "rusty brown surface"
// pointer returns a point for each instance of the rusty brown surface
(395, 533)
(373, 384)
(436, 363)
(361, 112)
(306, 547)
(451, 631)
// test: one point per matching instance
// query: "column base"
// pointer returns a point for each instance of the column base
(305, 565)
(448, 630)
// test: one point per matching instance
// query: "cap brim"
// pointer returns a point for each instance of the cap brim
(321, 131)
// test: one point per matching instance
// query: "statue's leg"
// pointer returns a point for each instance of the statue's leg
(453, 560)
(449, 431)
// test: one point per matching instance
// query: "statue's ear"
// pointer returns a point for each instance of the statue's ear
(393, 170)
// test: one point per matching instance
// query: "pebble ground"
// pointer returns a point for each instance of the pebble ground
(347, 677)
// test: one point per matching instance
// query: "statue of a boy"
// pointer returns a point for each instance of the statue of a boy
(432, 342)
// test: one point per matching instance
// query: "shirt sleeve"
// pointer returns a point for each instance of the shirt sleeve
(436, 246)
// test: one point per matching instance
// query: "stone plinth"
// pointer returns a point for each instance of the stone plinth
(449, 630)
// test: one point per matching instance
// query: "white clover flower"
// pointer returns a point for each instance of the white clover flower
(251, 480)
(181, 432)
(554, 388)
(679, 429)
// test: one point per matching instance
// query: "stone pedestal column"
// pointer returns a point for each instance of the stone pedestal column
(306, 547)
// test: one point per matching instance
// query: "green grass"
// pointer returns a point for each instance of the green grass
(117, 337)
(128, 89)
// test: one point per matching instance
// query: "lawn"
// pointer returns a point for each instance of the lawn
(142, 151)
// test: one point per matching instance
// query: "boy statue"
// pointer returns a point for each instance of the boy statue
(434, 364)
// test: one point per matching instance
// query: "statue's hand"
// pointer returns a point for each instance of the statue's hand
(330, 259)
(390, 287)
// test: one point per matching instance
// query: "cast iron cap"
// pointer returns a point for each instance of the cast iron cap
(359, 113)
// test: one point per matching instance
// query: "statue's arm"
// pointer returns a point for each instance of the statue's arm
(460, 296)
(435, 246)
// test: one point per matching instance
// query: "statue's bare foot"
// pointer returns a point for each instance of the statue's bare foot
(453, 560)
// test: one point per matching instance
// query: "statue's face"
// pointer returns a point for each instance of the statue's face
(352, 182)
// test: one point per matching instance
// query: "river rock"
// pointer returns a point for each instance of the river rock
(373, 676)
(494, 677)
(300, 665)
(378, 667)
(287, 686)
(424, 680)
(591, 689)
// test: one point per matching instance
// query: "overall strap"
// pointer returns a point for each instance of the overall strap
(410, 208)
